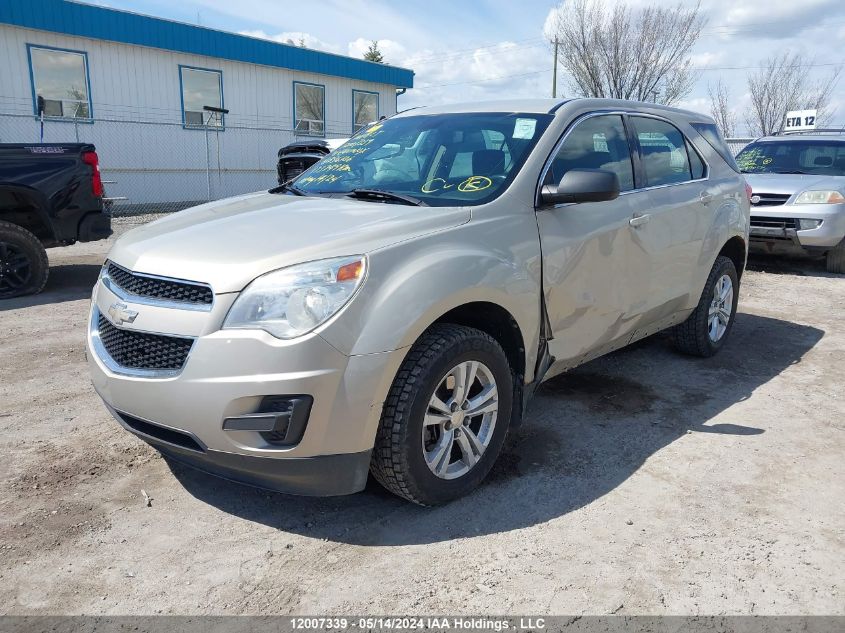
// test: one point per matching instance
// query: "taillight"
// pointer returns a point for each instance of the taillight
(90, 158)
(748, 191)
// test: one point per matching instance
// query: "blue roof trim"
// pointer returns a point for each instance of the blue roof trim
(84, 20)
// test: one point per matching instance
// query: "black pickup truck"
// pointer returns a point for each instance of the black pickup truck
(50, 195)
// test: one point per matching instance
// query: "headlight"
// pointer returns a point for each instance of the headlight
(293, 301)
(819, 197)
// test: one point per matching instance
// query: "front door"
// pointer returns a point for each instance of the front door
(595, 274)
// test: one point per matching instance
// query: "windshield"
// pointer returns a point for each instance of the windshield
(819, 158)
(440, 160)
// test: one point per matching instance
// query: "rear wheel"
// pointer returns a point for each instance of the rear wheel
(23, 262)
(835, 259)
(446, 416)
(706, 329)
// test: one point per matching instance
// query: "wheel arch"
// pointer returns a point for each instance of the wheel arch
(496, 321)
(26, 208)
(736, 250)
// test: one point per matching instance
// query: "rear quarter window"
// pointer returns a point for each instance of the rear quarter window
(714, 138)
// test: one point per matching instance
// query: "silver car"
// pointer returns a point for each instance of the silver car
(798, 195)
(395, 308)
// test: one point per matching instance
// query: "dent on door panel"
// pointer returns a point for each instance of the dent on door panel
(594, 275)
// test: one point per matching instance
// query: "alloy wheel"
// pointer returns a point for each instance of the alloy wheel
(460, 419)
(721, 307)
(15, 268)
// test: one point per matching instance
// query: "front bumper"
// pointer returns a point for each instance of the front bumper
(228, 374)
(776, 229)
(319, 476)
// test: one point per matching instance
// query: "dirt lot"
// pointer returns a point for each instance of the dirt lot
(644, 482)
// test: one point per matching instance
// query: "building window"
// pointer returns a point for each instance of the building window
(364, 109)
(60, 82)
(201, 87)
(309, 107)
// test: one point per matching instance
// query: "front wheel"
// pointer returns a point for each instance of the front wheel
(706, 329)
(446, 416)
(835, 259)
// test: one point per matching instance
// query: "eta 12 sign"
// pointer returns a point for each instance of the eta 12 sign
(797, 120)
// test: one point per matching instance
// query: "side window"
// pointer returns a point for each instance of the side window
(309, 102)
(201, 87)
(364, 109)
(596, 143)
(710, 133)
(60, 82)
(664, 152)
(699, 170)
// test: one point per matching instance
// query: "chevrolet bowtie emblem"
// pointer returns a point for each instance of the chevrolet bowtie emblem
(120, 313)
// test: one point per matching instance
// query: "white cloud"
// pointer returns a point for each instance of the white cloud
(456, 57)
(293, 38)
(390, 50)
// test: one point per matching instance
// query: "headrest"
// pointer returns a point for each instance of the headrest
(823, 161)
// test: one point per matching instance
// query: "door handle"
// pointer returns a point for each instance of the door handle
(705, 197)
(639, 219)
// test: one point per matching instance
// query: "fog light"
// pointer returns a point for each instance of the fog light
(806, 225)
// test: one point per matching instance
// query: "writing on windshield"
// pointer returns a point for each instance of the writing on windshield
(443, 160)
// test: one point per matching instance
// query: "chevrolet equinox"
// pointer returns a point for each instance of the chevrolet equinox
(394, 308)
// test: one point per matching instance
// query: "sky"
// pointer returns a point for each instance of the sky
(496, 49)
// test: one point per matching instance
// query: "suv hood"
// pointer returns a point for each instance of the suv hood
(230, 242)
(792, 183)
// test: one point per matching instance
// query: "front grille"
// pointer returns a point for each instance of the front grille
(290, 168)
(163, 289)
(773, 223)
(139, 350)
(770, 199)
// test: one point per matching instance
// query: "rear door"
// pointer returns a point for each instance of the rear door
(677, 216)
(595, 275)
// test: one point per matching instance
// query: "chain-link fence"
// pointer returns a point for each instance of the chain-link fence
(158, 167)
(736, 144)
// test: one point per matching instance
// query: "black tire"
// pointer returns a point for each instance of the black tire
(692, 336)
(23, 262)
(835, 259)
(398, 461)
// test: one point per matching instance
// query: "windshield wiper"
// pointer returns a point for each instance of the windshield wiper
(288, 187)
(793, 171)
(380, 194)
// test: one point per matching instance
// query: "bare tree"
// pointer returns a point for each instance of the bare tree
(628, 54)
(720, 108)
(784, 83)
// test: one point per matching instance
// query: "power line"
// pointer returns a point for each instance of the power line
(542, 42)
(478, 81)
(537, 72)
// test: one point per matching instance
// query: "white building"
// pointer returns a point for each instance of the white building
(136, 87)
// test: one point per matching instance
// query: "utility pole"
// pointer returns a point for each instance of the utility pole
(554, 72)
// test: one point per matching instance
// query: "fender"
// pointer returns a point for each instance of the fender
(26, 207)
(730, 220)
(404, 294)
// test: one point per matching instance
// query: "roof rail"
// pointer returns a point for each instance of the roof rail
(820, 130)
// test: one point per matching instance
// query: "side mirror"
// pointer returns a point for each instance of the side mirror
(582, 185)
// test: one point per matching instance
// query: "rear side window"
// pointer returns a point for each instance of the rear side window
(664, 152)
(696, 163)
(712, 135)
(595, 143)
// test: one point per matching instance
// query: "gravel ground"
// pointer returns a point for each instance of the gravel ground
(644, 482)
